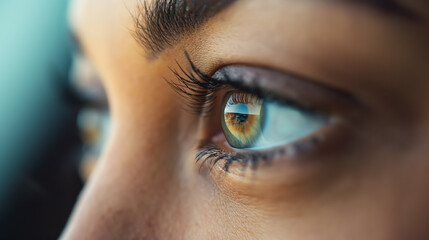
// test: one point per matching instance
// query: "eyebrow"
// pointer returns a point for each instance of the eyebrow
(161, 24)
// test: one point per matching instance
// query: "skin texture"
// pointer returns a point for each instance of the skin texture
(371, 183)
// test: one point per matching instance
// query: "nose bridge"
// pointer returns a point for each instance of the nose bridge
(127, 197)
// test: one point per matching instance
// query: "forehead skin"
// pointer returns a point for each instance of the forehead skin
(146, 187)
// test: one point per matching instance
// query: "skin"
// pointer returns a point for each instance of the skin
(370, 184)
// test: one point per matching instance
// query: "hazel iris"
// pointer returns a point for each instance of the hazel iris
(242, 119)
(249, 122)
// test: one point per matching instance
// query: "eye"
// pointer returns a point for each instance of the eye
(252, 123)
(252, 115)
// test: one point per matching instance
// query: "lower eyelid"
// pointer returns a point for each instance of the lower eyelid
(297, 176)
(308, 150)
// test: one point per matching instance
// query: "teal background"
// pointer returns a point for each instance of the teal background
(35, 121)
(32, 45)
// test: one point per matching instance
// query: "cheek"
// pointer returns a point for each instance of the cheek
(141, 189)
(146, 184)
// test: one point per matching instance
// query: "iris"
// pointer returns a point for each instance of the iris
(249, 122)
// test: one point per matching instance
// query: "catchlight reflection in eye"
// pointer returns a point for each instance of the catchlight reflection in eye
(252, 123)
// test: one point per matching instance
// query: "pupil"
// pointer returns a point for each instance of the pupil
(240, 118)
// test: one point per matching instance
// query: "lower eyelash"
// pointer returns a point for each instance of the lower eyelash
(211, 155)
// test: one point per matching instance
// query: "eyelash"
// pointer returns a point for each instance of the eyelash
(211, 154)
(199, 92)
(199, 89)
(196, 88)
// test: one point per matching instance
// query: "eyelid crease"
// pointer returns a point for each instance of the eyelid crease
(288, 89)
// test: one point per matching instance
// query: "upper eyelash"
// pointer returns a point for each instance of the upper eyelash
(197, 89)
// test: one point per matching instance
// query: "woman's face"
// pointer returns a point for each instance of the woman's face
(309, 119)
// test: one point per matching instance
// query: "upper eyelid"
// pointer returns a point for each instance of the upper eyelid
(199, 91)
(261, 94)
(291, 89)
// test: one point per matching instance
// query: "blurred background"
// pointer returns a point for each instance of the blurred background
(40, 145)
